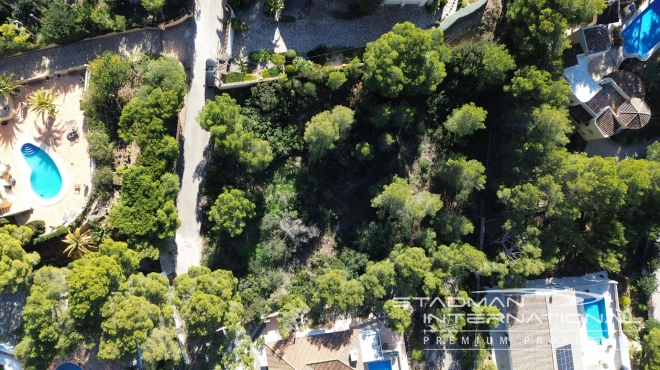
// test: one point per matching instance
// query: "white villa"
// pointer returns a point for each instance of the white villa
(604, 100)
(561, 324)
(342, 345)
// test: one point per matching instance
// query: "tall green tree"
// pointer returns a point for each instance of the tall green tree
(651, 350)
(326, 128)
(466, 120)
(146, 213)
(406, 61)
(398, 202)
(397, 319)
(45, 318)
(230, 211)
(335, 289)
(15, 264)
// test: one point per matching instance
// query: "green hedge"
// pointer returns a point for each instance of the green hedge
(235, 77)
(37, 226)
(58, 233)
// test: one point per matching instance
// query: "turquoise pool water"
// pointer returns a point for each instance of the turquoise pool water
(45, 179)
(68, 366)
(643, 33)
(594, 313)
(380, 365)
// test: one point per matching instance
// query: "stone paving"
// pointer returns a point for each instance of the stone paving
(315, 25)
(172, 41)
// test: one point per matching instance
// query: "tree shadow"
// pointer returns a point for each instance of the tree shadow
(9, 134)
(50, 133)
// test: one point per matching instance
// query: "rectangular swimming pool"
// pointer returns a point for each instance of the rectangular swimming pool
(642, 35)
(596, 318)
(379, 365)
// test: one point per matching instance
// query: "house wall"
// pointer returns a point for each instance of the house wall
(590, 132)
(407, 2)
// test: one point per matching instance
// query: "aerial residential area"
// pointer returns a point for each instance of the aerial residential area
(329, 184)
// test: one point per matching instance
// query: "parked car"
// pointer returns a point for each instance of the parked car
(210, 73)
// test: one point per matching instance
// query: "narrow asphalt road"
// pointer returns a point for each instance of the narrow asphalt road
(188, 239)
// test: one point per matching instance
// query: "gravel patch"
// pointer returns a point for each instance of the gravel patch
(315, 25)
(11, 305)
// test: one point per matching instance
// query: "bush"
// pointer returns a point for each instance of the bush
(417, 355)
(38, 227)
(253, 57)
(630, 330)
(336, 80)
(101, 150)
(278, 60)
(290, 54)
(625, 301)
(290, 70)
(319, 55)
(250, 77)
(235, 77)
(274, 71)
(617, 39)
(647, 284)
(287, 18)
(4, 221)
(265, 73)
(103, 179)
(264, 55)
(651, 324)
(57, 234)
(238, 26)
(309, 89)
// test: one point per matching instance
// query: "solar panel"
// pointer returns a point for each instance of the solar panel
(565, 358)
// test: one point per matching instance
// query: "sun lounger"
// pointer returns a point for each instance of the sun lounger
(76, 188)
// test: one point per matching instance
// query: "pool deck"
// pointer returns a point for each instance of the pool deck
(73, 155)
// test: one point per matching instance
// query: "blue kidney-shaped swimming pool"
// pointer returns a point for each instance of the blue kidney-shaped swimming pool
(642, 35)
(45, 178)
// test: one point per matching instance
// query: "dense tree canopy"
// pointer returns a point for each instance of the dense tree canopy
(406, 61)
(15, 264)
(230, 211)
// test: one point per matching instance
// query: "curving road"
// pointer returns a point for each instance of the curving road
(188, 238)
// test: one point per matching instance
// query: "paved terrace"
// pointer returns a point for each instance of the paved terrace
(314, 25)
(50, 60)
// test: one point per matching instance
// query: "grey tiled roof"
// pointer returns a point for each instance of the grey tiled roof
(597, 39)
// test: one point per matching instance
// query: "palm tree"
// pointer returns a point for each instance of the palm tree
(7, 83)
(242, 65)
(43, 101)
(79, 243)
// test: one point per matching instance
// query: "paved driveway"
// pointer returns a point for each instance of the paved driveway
(174, 41)
(608, 148)
(189, 242)
(317, 26)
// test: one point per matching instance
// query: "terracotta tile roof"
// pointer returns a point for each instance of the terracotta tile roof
(325, 351)
(607, 124)
(635, 114)
(330, 365)
(579, 114)
(608, 96)
(629, 82)
(597, 39)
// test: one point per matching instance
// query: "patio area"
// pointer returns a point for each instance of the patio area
(65, 142)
